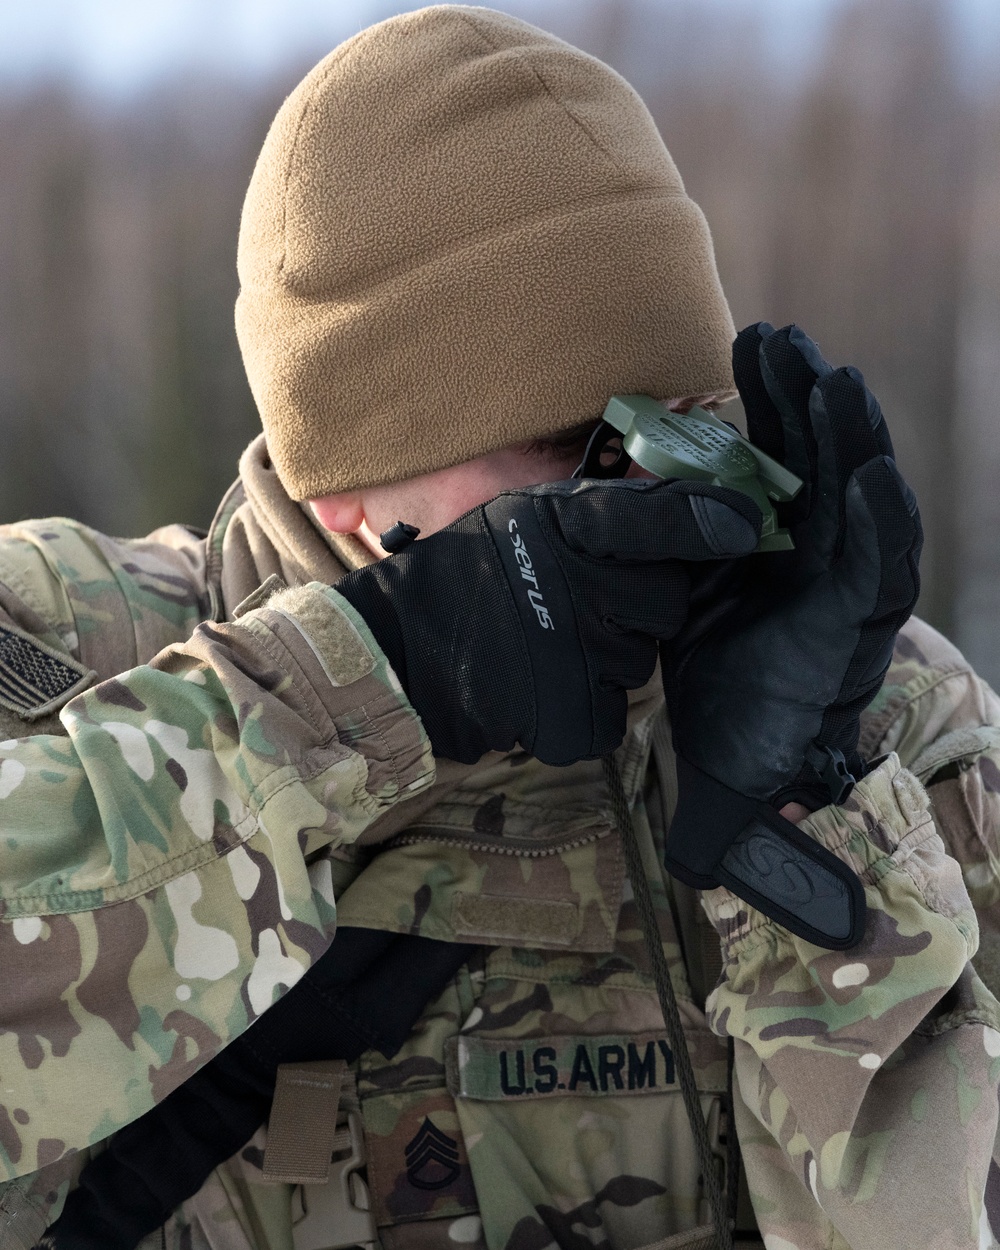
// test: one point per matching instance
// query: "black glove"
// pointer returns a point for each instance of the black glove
(366, 992)
(766, 682)
(528, 619)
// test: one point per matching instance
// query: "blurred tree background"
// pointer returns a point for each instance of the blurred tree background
(858, 196)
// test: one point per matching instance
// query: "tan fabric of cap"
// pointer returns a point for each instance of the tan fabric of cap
(462, 232)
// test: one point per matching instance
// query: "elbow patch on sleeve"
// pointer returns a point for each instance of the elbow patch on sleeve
(332, 635)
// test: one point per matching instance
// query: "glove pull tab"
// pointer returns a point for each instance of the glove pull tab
(721, 837)
(782, 872)
(398, 537)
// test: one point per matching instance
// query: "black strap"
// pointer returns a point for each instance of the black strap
(605, 456)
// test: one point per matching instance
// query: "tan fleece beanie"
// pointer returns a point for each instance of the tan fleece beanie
(462, 232)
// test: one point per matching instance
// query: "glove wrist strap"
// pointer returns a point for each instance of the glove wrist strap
(721, 837)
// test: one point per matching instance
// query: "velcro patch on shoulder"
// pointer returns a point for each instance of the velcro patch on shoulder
(36, 679)
(494, 1069)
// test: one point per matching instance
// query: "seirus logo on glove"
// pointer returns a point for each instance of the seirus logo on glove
(528, 575)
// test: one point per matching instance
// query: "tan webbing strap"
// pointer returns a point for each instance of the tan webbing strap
(711, 952)
(303, 1122)
(700, 1238)
(21, 1223)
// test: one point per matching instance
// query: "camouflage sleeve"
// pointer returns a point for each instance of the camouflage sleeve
(110, 603)
(866, 1080)
(155, 894)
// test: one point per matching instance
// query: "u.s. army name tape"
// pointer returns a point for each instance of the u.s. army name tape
(492, 1069)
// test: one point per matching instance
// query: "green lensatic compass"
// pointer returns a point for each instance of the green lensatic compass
(697, 445)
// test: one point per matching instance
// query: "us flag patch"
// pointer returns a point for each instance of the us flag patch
(36, 679)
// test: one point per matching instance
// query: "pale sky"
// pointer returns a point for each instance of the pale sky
(114, 46)
(119, 44)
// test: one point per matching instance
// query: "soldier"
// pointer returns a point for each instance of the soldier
(461, 238)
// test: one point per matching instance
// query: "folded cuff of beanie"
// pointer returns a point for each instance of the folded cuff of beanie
(506, 337)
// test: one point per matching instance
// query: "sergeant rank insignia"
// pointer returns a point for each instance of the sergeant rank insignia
(432, 1159)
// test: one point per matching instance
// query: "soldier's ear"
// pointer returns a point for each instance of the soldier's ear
(343, 514)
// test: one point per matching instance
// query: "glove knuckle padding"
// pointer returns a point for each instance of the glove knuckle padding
(789, 379)
(882, 544)
(875, 418)
(844, 440)
(763, 420)
(890, 504)
(790, 369)
(841, 419)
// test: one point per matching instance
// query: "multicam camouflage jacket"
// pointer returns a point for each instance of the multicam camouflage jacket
(209, 764)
